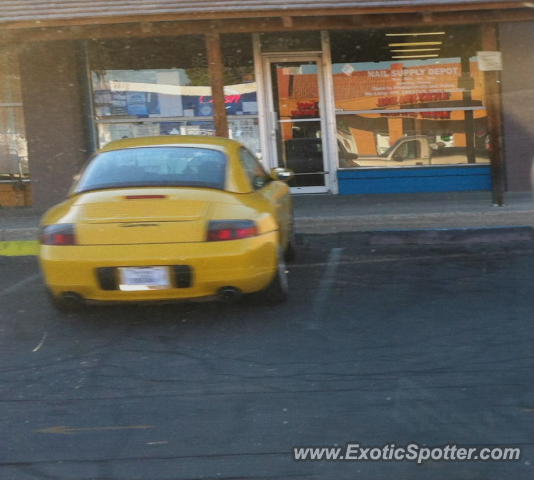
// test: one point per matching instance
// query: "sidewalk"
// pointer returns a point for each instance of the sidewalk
(360, 213)
(418, 211)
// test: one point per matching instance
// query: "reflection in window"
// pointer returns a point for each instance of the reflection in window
(140, 93)
(153, 127)
(408, 112)
(149, 93)
(241, 90)
(145, 87)
(396, 142)
(246, 131)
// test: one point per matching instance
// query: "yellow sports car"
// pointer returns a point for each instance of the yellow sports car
(169, 218)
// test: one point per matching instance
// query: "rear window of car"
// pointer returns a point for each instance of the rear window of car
(180, 166)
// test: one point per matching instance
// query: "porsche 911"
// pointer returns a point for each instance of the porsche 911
(169, 218)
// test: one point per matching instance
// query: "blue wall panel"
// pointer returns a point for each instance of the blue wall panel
(412, 180)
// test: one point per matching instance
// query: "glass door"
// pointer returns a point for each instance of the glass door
(295, 122)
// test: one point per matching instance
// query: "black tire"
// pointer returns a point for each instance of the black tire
(63, 305)
(277, 291)
(290, 253)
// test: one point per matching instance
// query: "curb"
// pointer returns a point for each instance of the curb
(453, 236)
(423, 221)
(427, 236)
(18, 234)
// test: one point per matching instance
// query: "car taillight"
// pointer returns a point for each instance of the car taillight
(219, 230)
(59, 234)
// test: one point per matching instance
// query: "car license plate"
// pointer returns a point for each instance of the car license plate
(144, 278)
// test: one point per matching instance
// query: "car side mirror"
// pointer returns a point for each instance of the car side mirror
(282, 174)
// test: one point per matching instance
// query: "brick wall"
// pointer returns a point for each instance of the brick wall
(517, 45)
(53, 110)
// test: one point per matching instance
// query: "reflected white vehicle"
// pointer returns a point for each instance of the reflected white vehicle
(417, 150)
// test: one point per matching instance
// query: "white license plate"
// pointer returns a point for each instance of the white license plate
(144, 278)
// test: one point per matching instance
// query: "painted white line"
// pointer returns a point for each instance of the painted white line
(19, 285)
(64, 430)
(41, 343)
(323, 289)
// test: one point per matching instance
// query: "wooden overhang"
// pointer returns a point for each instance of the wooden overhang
(40, 20)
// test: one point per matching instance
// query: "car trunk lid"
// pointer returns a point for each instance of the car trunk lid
(133, 217)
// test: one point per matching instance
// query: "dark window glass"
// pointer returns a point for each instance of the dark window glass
(256, 173)
(155, 166)
(186, 52)
(409, 150)
(290, 41)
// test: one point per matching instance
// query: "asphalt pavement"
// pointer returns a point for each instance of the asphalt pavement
(379, 343)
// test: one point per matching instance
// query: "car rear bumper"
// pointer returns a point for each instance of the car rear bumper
(247, 264)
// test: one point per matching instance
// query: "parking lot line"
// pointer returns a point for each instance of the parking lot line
(323, 289)
(19, 284)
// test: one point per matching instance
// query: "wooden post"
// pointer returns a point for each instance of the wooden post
(216, 71)
(493, 105)
(469, 118)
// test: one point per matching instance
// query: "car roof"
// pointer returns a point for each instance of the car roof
(175, 140)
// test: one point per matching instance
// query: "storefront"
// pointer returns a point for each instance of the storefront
(398, 106)
(397, 110)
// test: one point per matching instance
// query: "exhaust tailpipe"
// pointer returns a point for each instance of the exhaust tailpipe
(229, 294)
(72, 298)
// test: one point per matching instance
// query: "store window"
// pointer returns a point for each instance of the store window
(241, 90)
(146, 87)
(13, 147)
(409, 98)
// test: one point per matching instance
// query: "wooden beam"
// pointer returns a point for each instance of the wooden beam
(492, 101)
(427, 17)
(233, 14)
(146, 27)
(287, 22)
(255, 25)
(216, 70)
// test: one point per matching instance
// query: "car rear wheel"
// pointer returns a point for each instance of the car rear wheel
(290, 252)
(277, 291)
